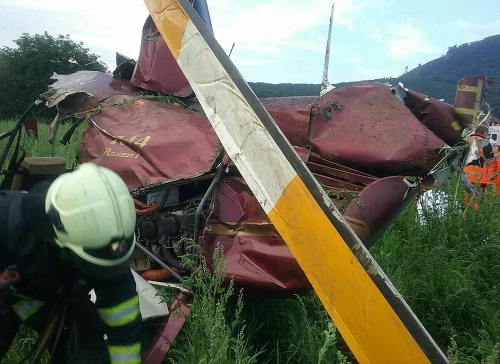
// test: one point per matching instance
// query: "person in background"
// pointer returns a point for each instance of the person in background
(479, 161)
(495, 168)
(57, 241)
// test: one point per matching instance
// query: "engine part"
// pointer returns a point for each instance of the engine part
(148, 229)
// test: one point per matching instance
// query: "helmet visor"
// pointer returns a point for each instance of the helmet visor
(115, 250)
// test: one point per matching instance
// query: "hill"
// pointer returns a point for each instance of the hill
(437, 78)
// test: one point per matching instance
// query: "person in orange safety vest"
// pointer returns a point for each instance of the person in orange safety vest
(480, 159)
(495, 169)
(480, 162)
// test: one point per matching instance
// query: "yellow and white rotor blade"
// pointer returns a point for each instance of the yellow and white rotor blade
(370, 314)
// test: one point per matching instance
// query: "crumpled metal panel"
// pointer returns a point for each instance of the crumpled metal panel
(437, 116)
(258, 258)
(159, 142)
(469, 97)
(366, 127)
(357, 128)
(156, 69)
(255, 255)
(292, 116)
(334, 175)
(97, 84)
(377, 205)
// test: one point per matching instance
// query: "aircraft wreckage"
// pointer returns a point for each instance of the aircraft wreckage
(366, 146)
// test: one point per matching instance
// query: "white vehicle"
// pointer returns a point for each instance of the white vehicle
(494, 134)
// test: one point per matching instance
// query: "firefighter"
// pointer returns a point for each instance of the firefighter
(57, 241)
(479, 162)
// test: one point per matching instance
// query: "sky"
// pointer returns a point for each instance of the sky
(278, 41)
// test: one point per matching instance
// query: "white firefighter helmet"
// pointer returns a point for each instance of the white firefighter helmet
(92, 214)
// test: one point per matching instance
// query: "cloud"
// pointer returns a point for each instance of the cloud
(103, 26)
(279, 39)
(248, 62)
(281, 34)
(491, 27)
(464, 24)
(373, 73)
(93, 8)
(273, 24)
(405, 41)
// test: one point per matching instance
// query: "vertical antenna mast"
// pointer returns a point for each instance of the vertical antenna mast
(325, 85)
(231, 51)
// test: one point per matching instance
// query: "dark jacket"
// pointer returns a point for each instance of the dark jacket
(49, 273)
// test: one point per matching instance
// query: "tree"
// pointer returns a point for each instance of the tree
(25, 71)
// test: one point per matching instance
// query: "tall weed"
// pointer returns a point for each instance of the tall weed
(214, 331)
(23, 347)
(295, 330)
(447, 266)
(445, 261)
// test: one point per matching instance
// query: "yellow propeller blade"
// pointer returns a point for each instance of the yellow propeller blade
(368, 311)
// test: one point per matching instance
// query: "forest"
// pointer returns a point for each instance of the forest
(437, 78)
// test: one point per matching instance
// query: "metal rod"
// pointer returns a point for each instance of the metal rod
(199, 209)
(159, 261)
(231, 51)
(324, 83)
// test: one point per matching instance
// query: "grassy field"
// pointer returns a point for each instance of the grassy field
(445, 262)
(447, 267)
(40, 147)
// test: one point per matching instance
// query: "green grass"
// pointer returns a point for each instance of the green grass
(294, 330)
(225, 328)
(23, 347)
(448, 270)
(215, 331)
(40, 147)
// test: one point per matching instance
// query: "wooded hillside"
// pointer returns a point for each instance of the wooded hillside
(437, 78)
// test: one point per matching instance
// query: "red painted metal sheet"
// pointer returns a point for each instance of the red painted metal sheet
(469, 97)
(165, 142)
(437, 116)
(352, 177)
(292, 116)
(377, 205)
(156, 69)
(179, 310)
(257, 257)
(366, 127)
(255, 254)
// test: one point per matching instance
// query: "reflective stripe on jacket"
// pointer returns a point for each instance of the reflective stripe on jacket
(477, 174)
(26, 307)
(119, 311)
(130, 354)
(122, 314)
(27, 242)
